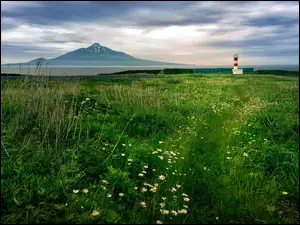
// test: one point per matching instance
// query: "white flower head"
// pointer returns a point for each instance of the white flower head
(182, 211)
(154, 189)
(174, 212)
(161, 177)
(95, 213)
(165, 212)
(85, 190)
(186, 199)
(75, 191)
(105, 181)
(143, 204)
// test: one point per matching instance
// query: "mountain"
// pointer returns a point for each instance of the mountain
(94, 55)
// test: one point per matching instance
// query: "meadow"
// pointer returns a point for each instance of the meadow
(190, 148)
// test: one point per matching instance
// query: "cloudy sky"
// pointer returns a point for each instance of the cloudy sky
(202, 33)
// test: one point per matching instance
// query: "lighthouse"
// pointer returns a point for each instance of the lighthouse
(236, 69)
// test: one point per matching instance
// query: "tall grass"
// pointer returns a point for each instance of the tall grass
(175, 149)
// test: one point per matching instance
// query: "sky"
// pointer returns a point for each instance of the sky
(201, 33)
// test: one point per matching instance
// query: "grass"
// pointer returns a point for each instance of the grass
(224, 148)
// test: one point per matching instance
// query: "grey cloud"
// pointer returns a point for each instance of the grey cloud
(272, 20)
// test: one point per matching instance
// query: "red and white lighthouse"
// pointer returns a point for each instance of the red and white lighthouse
(236, 69)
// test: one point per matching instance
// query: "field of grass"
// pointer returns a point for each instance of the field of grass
(173, 149)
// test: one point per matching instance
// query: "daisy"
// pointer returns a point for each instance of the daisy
(165, 212)
(178, 186)
(95, 213)
(160, 142)
(284, 193)
(174, 212)
(161, 177)
(161, 157)
(163, 198)
(245, 154)
(75, 191)
(186, 199)
(182, 211)
(146, 167)
(108, 195)
(121, 194)
(143, 204)
(140, 175)
(105, 181)
(85, 190)
(153, 189)
(144, 189)
(123, 154)
(158, 222)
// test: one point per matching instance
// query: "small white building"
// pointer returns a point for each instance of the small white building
(236, 69)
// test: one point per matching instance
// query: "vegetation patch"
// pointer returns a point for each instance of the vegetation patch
(172, 149)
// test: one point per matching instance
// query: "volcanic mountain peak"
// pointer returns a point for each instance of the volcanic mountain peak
(96, 48)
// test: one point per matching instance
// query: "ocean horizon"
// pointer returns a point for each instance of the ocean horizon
(95, 70)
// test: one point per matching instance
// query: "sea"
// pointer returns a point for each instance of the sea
(95, 70)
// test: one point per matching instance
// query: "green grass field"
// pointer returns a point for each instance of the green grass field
(173, 149)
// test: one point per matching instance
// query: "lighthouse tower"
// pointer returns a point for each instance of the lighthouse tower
(235, 69)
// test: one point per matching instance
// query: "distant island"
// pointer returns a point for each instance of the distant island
(94, 55)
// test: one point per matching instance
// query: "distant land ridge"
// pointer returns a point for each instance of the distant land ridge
(94, 55)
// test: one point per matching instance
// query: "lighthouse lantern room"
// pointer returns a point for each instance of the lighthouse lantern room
(235, 69)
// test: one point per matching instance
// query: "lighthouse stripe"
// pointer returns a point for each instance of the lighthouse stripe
(235, 59)
(235, 64)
